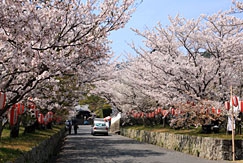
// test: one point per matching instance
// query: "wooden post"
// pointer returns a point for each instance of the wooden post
(232, 121)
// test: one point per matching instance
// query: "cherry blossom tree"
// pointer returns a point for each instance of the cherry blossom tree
(45, 40)
(194, 60)
(122, 89)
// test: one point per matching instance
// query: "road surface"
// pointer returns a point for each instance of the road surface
(86, 148)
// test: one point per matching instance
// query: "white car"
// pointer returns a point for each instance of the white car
(99, 127)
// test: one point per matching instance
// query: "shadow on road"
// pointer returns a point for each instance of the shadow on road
(84, 147)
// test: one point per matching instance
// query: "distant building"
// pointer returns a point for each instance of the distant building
(82, 113)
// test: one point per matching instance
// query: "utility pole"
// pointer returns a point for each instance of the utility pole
(232, 124)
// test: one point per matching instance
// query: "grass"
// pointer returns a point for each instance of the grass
(12, 148)
(193, 132)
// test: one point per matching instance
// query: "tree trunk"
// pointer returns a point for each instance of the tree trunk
(49, 125)
(14, 131)
(2, 124)
(1, 128)
(163, 125)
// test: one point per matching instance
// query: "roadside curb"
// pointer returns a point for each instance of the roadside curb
(44, 151)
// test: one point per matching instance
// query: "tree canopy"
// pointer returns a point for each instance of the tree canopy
(43, 42)
(195, 60)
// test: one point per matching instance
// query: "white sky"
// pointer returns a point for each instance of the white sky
(150, 12)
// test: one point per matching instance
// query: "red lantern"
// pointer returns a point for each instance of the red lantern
(41, 118)
(213, 110)
(50, 116)
(234, 101)
(13, 115)
(58, 119)
(173, 111)
(20, 108)
(134, 115)
(37, 112)
(218, 111)
(227, 105)
(137, 115)
(161, 111)
(165, 113)
(2, 100)
(142, 115)
(241, 106)
(32, 106)
(31, 103)
(46, 119)
(152, 114)
(156, 112)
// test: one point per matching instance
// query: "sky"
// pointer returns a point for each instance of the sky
(150, 12)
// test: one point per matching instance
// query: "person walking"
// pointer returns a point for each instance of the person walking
(69, 127)
(75, 126)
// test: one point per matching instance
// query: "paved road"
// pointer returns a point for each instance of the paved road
(85, 148)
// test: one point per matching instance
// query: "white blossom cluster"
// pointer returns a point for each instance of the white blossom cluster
(189, 60)
(49, 49)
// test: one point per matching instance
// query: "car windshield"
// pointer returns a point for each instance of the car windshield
(100, 124)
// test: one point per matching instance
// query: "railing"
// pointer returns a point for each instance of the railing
(115, 124)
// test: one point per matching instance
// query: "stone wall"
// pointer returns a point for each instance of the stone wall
(204, 147)
(44, 151)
